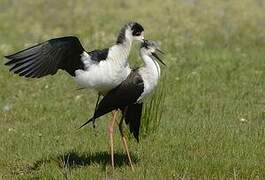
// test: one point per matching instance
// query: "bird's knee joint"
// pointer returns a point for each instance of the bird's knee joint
(110, 129)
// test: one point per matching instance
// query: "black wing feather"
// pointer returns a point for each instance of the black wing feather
(47, 57)
(125, 94)
(132, 117)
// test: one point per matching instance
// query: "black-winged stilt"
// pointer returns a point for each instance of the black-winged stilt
(101, 70)
(128, 96)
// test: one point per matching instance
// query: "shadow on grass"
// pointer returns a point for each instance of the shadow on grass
(71, 160)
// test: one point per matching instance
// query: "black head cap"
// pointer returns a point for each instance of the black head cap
(136, 28)
(150, 44)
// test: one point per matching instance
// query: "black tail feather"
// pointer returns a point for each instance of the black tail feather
(90, 120)
(133, 118)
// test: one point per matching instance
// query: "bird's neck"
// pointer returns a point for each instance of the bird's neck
(150, 74)
(151, 67)
(126, 47)
(120, 51)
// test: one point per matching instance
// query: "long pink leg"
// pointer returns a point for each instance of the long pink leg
(110, 131)
(124, 142)
(127, 151)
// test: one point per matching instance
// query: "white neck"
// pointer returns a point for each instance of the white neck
(150, 74)
(120, 52)
(151, 66)
(126, 47)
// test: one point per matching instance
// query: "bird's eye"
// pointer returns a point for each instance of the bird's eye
(137, 33)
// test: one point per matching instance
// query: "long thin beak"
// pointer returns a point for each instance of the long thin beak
(160, 51)
(156, 56)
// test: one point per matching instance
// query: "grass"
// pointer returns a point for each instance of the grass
(153, 110)
(213, 124)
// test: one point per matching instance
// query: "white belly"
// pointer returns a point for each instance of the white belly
(149, 86)
(103, 76)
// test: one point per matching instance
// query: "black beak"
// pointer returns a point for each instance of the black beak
(145, 43)
(159, 50)
(156, 56)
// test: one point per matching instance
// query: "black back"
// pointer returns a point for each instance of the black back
(47, 57)
(99, 54)
(125, 94)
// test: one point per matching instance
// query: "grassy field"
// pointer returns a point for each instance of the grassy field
(213, 126)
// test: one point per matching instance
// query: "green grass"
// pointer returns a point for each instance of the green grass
(153, 110)
(215, 78)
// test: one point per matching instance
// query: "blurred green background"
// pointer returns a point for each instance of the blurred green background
(213, 125)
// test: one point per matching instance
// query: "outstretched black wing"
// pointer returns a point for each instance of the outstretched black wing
(47, 57)
(125, 94)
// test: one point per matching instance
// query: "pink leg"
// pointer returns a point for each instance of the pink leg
(127, 152)
(124, 142)
(110, 131)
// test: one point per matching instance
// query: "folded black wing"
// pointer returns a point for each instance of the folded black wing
(132, 117)
(47, 57)
(125, 94)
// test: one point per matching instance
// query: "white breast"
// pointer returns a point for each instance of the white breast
(102, 76)
(150, 74)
